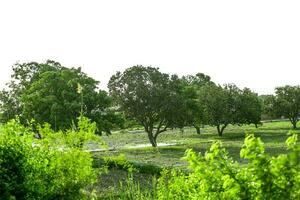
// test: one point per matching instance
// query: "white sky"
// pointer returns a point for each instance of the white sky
(250, 43)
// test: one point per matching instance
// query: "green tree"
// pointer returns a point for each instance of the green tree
(229, 105)
(199, 79)
(194, 109)
(249, 108)
(150, 97)
(47, 92)
(216, 106)
(287, 103)
(268, 106)
(24, 74)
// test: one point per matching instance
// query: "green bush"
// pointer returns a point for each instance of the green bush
(44, 168)
(13, 157)
(121, 162)
(216, 176)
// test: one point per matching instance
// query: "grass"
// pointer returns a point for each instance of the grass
(116, 183)
(146, 159)
(273, 134)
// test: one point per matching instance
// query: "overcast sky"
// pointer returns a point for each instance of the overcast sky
(254, 44)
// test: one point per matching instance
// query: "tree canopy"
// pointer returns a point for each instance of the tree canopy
(229, 105)
(47, 92)
(194, 109)
(287, 103)
(150, 97)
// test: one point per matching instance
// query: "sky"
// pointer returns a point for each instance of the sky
(254, 44)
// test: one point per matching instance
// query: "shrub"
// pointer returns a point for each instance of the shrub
(44, 168)
(216, 176)
(121, 162)
(13, 157)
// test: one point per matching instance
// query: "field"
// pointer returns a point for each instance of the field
(133, 144)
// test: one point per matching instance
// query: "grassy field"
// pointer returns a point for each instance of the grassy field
(130, 143)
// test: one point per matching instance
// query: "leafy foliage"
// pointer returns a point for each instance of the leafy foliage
(218, 106)
(229, 105)
(194, 109)
(54, 167)
(249, 108)
(47, 92)
(287, 103)
(268, 107)
(150, 97)
(216, 176)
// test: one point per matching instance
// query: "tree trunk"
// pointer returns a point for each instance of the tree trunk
(294, 124)
(152, 133)
(154, 143)
(197, 129)
(152, 139)
(221, 129)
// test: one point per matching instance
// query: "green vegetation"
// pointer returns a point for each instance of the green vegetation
(215, 175)
(194, 110)
(158, 101)
(129, 143)
(48, 168)
(47, 92)
(49, 150)
(287, 103)
(150, 97)
(150, 162)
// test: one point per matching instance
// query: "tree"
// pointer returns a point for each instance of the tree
(221, 105)
(24, 74)
(194, 110)
(47, 92)
(268, 106)
(215, 103)
(150, 97)
(249, 108)
(229, 105)
(287, 103)
(199, 79)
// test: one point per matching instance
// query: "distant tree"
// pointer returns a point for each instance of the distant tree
(229, 105)
(194, 111)
(48, 92)
(199, 79)
(287, 103)
(9, 106)
(150, 97)
(249, 108)
(216, 106)
(268, 109)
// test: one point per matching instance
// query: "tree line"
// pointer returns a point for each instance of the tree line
(49, 92)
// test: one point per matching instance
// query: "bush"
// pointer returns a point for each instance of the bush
(216, 176)
(121, 162)
(13, 159)
(40, 168)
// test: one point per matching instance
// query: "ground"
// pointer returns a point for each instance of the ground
(130, 143)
